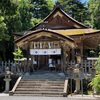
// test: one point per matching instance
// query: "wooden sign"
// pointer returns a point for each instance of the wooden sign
(45, 51)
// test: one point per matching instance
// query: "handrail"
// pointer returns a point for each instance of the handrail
(15, 86)
(65, 88)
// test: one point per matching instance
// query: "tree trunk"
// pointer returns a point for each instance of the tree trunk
(4, 55)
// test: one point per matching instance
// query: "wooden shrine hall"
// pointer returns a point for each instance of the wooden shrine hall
(56, 40)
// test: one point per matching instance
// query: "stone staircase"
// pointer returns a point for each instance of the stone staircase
(41, 84)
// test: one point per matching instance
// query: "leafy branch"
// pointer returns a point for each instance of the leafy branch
(18, 54)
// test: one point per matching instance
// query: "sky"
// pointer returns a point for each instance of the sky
(83, 0)
(80, 0)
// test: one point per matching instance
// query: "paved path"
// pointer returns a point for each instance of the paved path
(48, 98)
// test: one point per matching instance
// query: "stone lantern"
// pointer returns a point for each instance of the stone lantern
(7, 80)
(81, 77)
(70, 76)
(76, 78)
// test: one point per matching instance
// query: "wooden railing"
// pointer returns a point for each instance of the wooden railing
(15, 67)
(86, 64)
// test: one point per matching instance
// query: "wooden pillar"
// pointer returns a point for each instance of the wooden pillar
(32, 62)
(28, 55)
(64, 60)
(73, 54)
(63, 57)
(81, 56)
(62, 54)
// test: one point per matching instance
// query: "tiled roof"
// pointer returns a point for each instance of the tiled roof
(70, 32)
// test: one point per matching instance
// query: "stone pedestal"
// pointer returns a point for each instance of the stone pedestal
(95, 91)
(77, 86)
(7, 84)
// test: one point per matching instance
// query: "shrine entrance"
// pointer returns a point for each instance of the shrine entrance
(46, 49)
(42, 62)
(46, 54)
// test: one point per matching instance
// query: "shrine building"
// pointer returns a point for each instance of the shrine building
(56, 40)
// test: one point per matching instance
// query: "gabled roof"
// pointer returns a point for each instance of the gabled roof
(42, 30)
(35, 35)
(63, 19)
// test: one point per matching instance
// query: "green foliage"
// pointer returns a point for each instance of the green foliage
(15, 16)
(42, 8)
(3, 30)
(75, 8)
(18, 54)
(25, 15)
(20, 15)
(94, 13)
(97, 64)
(95, 83)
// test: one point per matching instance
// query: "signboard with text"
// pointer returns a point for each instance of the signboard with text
(45, 51)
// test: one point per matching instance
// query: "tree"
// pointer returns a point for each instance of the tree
(18, 54)
(41, 9)
(94, 12)
(7, 12)
(94, 21)
(75, 8)
(15, 17)
(3, 37)
(25, 15)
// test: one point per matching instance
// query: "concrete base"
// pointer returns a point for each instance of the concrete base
(7, 83)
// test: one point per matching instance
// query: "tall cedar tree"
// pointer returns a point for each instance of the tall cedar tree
(75, 9)
(94, 10)
(17, 17)
(7, 11)
(42, 8)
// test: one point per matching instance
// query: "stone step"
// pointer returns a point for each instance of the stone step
(57, 87)
(51, 79)
(40, 84)
(39, 92)
(45, 84)
(44, 76)
(44, 95)
(38, 89)
(38, 81)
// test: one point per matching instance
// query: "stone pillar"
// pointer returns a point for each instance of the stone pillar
(7, 84)
(77, 86)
